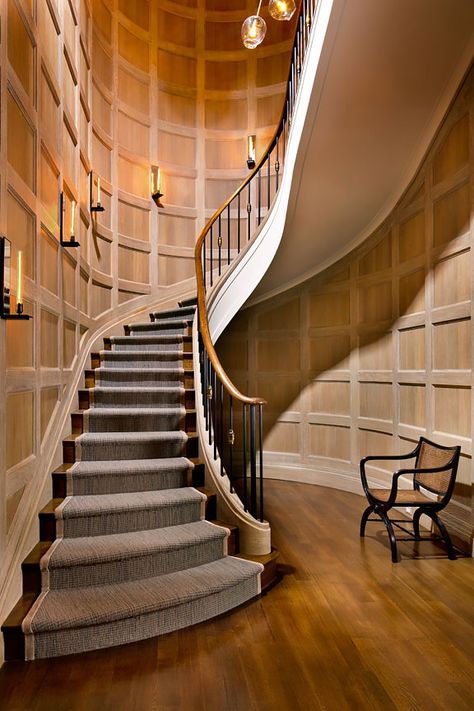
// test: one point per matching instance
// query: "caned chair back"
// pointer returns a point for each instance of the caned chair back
(431, 456)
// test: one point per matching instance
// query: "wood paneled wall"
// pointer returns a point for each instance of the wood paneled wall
(377, 350)
(113, 86)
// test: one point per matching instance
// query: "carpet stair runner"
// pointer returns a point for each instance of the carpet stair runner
(126, 552)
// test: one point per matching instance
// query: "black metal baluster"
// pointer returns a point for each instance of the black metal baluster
(277, 165)
(244, 457)
(219, 243)
(253, 463)
(214, 408)
(204, 386)
(231, 440)
(238, 224)
(260, 451)
(228, 233)
(249, 210)
(268, 182)
(259, 186)
(204, 263)
(221, 425)
(212, 257)
(209, 398)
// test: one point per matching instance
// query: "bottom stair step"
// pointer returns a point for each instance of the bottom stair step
(63, 622)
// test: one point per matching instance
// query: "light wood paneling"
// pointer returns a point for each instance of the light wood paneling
(412, 348)
(21, 233)
(69, 343)
(133, 221)
(133, 265)
(19, 427)
(49, 400)
(412, 405)
(19, 342)
(452, 279)
(411, 237)
(451, 216)
(453, 154)
(329, 441)
(20, 143)
(49, 262)
(452, 345)
(49, 340)
(20, 49)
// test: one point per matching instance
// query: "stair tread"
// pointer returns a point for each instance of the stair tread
(99, 504)
(140, 465)
(69, 609)
(127, 411)
(71, 552)
(131, 436)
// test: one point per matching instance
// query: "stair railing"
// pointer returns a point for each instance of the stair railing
(234, 421)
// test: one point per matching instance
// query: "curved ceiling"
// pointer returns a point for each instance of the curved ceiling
(390, 69)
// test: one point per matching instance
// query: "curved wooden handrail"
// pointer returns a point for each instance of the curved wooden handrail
(201, 293)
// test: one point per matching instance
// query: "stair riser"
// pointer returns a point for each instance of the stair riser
(163, 342)
(104, 484)
(49, 529)
(144, 566)
(152, 451)
(117, 377)
(137, 423)
(90, 398)
(122, 522)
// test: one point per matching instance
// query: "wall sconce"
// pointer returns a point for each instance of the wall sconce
(5, 286)
(97, 207)
(155, 178)
(251, 152)
(71, 241)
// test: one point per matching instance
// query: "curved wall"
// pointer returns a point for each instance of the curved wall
(113, 86)
(376, 350)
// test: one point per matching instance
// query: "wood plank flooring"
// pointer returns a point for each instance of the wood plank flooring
(344, 629)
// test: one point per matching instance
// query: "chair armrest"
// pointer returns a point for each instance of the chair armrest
(403, 472)
(391, 457)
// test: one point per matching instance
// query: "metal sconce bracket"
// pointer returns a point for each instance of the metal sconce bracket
(64, 242)
(97, 207)
(5, 254)
(156, 198)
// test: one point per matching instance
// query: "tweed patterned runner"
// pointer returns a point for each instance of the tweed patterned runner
(134, 557)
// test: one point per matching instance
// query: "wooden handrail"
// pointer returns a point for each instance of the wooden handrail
(201, 293)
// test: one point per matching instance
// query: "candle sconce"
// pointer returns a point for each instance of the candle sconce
(97, 207)
(251, 152)
(156, 193)
(71, 242)
(5, 283)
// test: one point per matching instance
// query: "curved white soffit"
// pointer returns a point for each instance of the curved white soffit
(430, 129)
(240, 280)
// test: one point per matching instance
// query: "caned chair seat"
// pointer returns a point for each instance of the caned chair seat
(407, 497)
(434, 471)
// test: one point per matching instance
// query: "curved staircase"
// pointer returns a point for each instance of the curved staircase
(126, 551)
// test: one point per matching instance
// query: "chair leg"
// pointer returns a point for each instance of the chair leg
(391, 535)
(445, 535)
(416, 522)
(364, 518)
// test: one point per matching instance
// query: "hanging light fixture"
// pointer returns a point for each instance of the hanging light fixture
(282, 9)
(253, 30)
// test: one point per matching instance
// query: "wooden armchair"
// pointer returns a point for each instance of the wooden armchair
(435, 472)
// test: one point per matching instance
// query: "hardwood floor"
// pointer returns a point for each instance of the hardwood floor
(344, 629)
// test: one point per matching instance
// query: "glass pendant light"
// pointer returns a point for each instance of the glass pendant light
(282, 9)
(254, 29)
